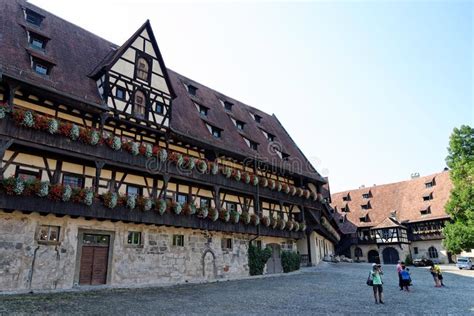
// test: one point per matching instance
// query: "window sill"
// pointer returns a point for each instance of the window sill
(48, 243)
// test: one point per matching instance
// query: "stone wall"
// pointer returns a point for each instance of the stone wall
(423, 247)
(26, 263)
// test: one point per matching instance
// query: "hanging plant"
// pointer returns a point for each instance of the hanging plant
(285, 188)
(281, 224)
(189, 162)
(296, 226)
(246, 178)
(279, 187)
(245, 218)
(201, 166)
(131, 201)
(214, 168)
(88, 197)
(264, 182)
(67, 192)
(161, 206)
(74, 133)
(307, 194)
(190, 209)
(224, 215)
(110, 199)
(148, 150)
(213, 214)
(299, 192)
(203, 212)
(176, 158)
(320, 197)
(302, 226)
(227, 172)
(177, 208)
(273, 222)
(116, 143)
(234, 216)
(3, 111)
(289, 225)
(272, 184)
(255, 180)
(134, 148)
(43, 189)
(266, 221)
(292, 190)
(94, 137)
(53, 126)
(236, 174)
(19, 187)
(255, 219)
(162, 155)
(314, 196)
(28, 119)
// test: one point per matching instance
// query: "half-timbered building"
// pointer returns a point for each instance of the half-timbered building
(387, 223)
(116, 170)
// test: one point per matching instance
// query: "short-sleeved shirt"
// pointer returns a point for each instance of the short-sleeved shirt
(399, 268)
(376, 278)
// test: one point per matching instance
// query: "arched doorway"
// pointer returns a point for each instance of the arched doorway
(358, 253)
(274, 263)
(390, 255)
(373, 256)
(209, 265)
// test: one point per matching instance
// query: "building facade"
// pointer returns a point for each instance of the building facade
(119, 171)
(387, 223)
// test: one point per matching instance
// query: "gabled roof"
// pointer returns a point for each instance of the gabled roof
(80, 55)
(388, 222)
(406, 197)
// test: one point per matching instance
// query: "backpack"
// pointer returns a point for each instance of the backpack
(405, 275)
(370, 281)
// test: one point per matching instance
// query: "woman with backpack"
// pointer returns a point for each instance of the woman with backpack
(405, 278)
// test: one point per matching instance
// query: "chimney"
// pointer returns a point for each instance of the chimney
(362, 186)
(415, 175)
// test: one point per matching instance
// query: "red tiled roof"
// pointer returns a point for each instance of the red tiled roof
(406, 198)
(79, 54)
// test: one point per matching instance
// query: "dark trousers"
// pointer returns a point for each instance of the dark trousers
(400, 283)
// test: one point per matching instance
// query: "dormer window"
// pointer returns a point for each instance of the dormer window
(271, 137)
(239, 125)
(33, 18)
(428, 196)
(426, 211)
(257, 118)
(36, 41)
(284, 156)
(142, 69)
(139, 105)
(345, 208)
(192, 90)
(430, 183)
(253, 145)
(365, 206)
(40, 67)
(203, 110)
(364, 219)
(346, 197)
(228, 106)
(216, 132)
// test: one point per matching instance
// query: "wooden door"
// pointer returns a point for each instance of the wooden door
(274, 263)
(94, 260)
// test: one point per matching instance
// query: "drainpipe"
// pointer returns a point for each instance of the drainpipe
(30, 279)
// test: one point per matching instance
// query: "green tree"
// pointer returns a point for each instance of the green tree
(459, 235)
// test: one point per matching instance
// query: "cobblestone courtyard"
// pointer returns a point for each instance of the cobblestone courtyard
(326, 289)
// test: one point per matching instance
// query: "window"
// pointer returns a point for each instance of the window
(253, 145)
(215, 132)
(240, 125)
(227, 106)
(40, 68)
(33, 17)
(257, 118)
(364, 219)
(178, 240)
(182, 199)
(74, 181)
(204, 202)
(429, 185)
(284, 156)
(432, 252)
(415, 250)
(120, 93)
(36, 41)
(271, 137)
(139, 106)
(426, 211)
(48, 233)
(345, 209)
(26, 175)
(231, 206)
(346, 198)
(365, 206)
(358, 252)
(203, 110)
(428, 197)
(192, 90)
(142, 69)
(366, 195)
(134, 238)
(134, 190)
(159, 108)
(226, 243)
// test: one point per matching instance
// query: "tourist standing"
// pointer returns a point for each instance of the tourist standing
(399, 270)
(434, 272)
(406, 278)
(376, 274)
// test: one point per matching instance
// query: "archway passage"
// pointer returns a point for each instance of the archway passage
(390, 255)
(209, 265)
(373, 256)
(274, 263)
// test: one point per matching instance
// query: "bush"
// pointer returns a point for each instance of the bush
(257, 259)
(408, 260)
(290, 261)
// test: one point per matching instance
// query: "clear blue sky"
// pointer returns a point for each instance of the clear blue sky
(370, 91)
